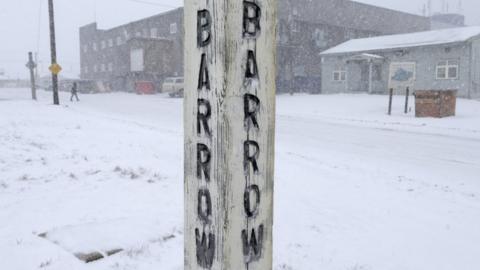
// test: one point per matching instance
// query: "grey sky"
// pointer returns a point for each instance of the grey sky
(24, 26)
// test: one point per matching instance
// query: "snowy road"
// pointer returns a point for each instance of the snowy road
(355, 189)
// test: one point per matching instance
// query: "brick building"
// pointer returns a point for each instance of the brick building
(306, 28)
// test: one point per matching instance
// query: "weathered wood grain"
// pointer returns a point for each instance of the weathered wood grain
(229, 133)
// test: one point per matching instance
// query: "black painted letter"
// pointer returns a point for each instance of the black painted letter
(203, 161)
(252, 68)
(252, 250)
(203, 116)
(247, 204)
(205, 251)
(249, 157)
(204, 207)
(251, 106)
(203, 78)
(251, 19)
(204, 28)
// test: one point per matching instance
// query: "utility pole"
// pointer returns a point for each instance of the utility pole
(31, 66)
(54, 68)
(229, 110)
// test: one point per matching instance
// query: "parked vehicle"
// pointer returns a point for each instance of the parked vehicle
(144, 88)
(173, 86)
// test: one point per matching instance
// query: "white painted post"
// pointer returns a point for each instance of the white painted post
(229, 133)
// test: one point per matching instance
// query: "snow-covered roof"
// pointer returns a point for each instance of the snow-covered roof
(437, 37)
(367, 56)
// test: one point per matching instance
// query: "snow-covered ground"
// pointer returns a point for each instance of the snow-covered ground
(355, 189)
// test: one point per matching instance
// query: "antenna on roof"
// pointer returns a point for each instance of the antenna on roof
(460, 7)
(94, 10)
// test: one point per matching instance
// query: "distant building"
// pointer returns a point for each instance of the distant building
(447, 20)
(305, 28)
(146, 50)
(447, 59)
(308, 27)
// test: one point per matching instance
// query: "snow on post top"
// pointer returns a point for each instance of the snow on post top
(437, 37)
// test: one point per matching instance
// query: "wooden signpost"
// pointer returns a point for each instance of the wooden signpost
(31, 65)
(229, 133)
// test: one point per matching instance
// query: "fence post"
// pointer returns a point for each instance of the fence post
(406, 100)
(390, 102)
(229, 113)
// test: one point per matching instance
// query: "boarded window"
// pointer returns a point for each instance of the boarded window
(136, 60)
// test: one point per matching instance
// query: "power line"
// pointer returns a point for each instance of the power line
(153, 3)
(39, 25)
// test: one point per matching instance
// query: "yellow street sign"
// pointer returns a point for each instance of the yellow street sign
(55, 68)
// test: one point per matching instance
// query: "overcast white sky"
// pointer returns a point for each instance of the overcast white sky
(24, 25)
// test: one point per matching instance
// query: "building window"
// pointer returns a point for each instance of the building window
(94, 46)
(95, 68)
(119, 41)
(173, 28)
(447, 70)
(295, 11)
(85, 69)
(110, 67)
(295, 26)
(103, 44)
(339, 75)
(102, 68)
(153, 33)
(138, 34)
(136, 60)
(85, 48)
(320, 38)
(110, 43)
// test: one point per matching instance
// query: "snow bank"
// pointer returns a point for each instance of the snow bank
(355, 189)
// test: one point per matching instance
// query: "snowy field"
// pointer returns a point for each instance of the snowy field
(355, 189)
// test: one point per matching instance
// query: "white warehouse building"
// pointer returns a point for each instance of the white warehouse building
(434, 60)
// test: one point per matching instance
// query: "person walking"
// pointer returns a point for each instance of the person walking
(74, 92)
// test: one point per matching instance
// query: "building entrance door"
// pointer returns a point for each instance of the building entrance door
(364, 77)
